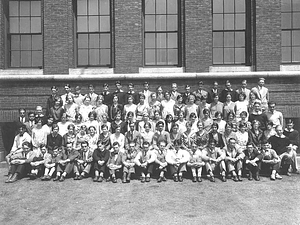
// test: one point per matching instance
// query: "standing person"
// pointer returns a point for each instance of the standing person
(78, 97)
(174, 92)
(146, 92)
(200, 93)
(22, 119)
(179, 106)
(215, 106)
(259, 115)
(215, 90)
(207, 120)
(54, 140)
(160, 94)
(203, 105)
(114, 108)
(252, 161)
(154, 105)
(144, 162)
(39, 136)
(226, 91)
(52, 98)
(228, 106)
(120, 93)
(129, 107)
(190, 107)
(244, 89)
(100, 158)
(133, 93)
(262, 93)
(106, 95)
(273, 115)
(93, 96)
(67, 93)
(186, 94)
(240, 106)
(86, 108)
(177, 159)
(30, 124)
(167, 105)
(56, 111)
(128, 162)
(291, 133)
(141, 108)
(39, 114)
(71, 108)
(101, 108)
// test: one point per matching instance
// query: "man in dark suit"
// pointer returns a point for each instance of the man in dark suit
(133, 93)
(107, 95)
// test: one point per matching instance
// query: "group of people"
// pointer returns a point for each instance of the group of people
(128, 134)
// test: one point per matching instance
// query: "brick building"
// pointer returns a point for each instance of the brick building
(46, 42)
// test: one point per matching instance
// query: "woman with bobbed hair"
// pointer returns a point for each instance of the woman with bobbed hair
(256, 135)
(167, 105)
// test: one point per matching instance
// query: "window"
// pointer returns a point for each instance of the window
(161, 32)
(290, 34)
(231, 32)
(93, 33)
(25, 34)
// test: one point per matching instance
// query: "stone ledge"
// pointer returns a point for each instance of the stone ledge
(230, 69)
(149, 70)
(90, 71)
(289, 67)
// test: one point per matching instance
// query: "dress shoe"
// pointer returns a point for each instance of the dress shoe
(194, 179)
(147, 179)
(164, 179)
(8, 178)
(62, 178)
(100, 179)
(84, 175)
(43, 178)
(239, 178)
(278, 177)
(48, 177)
(128, 178)
(124, 179)
(273, 177)
(159, 180)
(114, 180)
(76, 177)
(108, 179)
(175, 178)
(14, 178)
(235, 179)
(288, 174)
(56, 178)
(250, 176)
(223, 178)
(79, 177)
(180, 178)
(32, 176)
(95, 178)
(212, 179)
(257, 178)
(199, 179)
(143, 179)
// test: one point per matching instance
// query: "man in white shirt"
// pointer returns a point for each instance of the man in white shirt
(273, 115)
(262, 93)
(244, 90)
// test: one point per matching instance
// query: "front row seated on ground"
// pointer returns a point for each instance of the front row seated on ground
(145, 161)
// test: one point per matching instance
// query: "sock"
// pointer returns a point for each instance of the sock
(162, 173)
(52, 170)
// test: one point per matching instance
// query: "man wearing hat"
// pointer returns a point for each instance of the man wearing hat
(262, 93)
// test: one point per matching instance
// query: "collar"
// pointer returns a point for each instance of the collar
(282, 136)
(289, 130)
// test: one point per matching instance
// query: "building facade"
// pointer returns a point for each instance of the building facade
(46, 42)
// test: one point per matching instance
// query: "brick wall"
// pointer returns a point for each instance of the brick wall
(1, 35)
(198, 32)
(56, 42)
(128, 36)
(268, 33)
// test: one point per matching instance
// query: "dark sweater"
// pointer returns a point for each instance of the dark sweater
(293, 136)
(279, 144)
(101, 155)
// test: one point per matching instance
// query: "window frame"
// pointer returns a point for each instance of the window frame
(144, 32)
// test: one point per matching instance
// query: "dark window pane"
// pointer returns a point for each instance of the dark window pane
(172, 40)
(25, 42)
(228, 55)
(217, 22)
(286, 54)
(82, 57)
(296, 54)
(149, 40)
(228, 21)
(296, 20)
(93, 7)
(228, 6)
(104, 23)
(172, 6)
(285, 38)
(82, 40)
(149, 57)
(296, 37)
(81, 7)
(217, 6)
(37, 58)
(161, 56)
(36, 42)
(172, 56)
(26, 58)
(240, 21)
(35, 8)
(217, 39)
(13, 8)
(286, 5)
(94, 55)
(161, 23)
(36, 25)
(14, 25)
(161, 6)
(149, 23)
(93, 23)
(150, 6)
(15, 42)
(229, 39)
(218, 56)
(15, 59)
(161, 40)
(94, 41)
(240, 55)
(25, 25)
(296, 5)
(240, 6)
(172, 23)
(104, 40)
(24, 8)
(286, 20)
(105, 56)
(82, 24)
(239, 39)
(104, 7)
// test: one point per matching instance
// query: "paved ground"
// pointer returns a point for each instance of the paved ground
(85, 202)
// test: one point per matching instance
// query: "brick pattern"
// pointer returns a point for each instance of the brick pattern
(268, 34)
(71, 39)
(128, 36)
(56, 45)
(2, 35)
(198, 32)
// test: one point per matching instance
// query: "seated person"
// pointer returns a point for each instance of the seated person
(234, 159)
(144, 162)
(160, 160)
(196, 162)
(114, 163)
(252, 161)
(214, 160)
(128, 162)
(37, 164)
(270, 161)
(83, 164)
(50, 165)
(100, 158)
(177, 159)
(66, 165)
